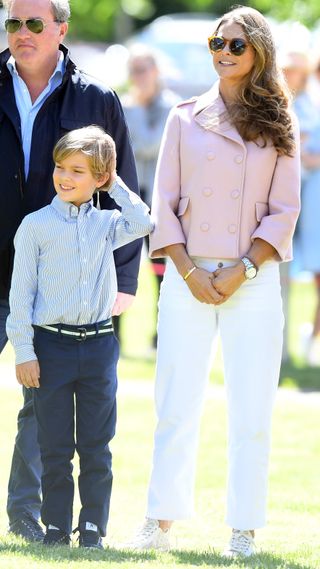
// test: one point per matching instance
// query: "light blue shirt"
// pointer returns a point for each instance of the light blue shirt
(64, 270)
(28, 110)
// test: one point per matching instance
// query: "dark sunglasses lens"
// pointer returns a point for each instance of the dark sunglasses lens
(238, 46)
(216, 44)
(35, 25)
(12, 25)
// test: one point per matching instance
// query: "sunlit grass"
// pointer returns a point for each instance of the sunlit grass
(291, 539)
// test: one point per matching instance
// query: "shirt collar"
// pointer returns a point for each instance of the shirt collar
(59, 70)
(70, 211)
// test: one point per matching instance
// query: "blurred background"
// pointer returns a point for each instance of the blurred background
(148, 48)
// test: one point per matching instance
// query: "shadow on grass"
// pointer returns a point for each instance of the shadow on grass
(62, 553)
(172, 558)
(259, 561)
(301, 376)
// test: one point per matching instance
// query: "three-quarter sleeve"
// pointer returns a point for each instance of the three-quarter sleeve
(278, 226)
(166, 193)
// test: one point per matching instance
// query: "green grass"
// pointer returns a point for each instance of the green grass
(291, 539)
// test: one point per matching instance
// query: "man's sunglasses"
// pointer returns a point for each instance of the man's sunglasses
(34, 25)
(237, 46)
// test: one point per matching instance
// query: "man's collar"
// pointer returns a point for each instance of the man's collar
(5, 56)
(60, 67)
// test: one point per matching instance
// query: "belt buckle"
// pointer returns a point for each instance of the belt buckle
(83, 334)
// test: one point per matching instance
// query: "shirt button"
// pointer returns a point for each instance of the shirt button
(204, 226)
(207, 192)
(84, 260)
(238, 159)
(84, 282)
(83, 239)
(85, 303)
(235, 194)
(211, 155)
(232, 228)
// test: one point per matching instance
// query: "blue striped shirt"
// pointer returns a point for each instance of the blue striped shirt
(28, 110)
(64, 269)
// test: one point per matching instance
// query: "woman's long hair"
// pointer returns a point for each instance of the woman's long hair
(260, 112)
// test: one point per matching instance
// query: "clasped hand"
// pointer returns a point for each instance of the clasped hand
(216, 287)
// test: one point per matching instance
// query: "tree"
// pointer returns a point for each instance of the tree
(109, 20)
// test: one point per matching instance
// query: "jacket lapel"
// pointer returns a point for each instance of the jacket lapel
(211, 114)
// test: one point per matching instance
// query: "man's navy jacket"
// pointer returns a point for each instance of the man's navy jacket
(79, 101)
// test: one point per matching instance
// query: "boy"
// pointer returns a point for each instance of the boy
(63, 289)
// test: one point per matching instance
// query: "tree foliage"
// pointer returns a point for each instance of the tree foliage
(108, 20)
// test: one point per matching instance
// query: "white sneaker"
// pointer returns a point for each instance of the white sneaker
(241, 544)
(150, 536)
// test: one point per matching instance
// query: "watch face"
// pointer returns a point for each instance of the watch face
(251, 273)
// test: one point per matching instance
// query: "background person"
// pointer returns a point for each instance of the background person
(309, 235)
(225, 205)
(61, 329)
(146, 107)
(42, 96)
(301, 82)
(296, 69)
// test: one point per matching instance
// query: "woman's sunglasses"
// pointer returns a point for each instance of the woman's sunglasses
(34, 25)
(237, 46)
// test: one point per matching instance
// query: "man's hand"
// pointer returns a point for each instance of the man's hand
(28, 374)
(122, 303)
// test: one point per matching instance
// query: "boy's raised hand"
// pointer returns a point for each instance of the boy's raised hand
(28, 374)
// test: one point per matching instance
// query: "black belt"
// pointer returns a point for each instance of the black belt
(80, 333)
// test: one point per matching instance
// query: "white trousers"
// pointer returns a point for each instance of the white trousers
(250, 324)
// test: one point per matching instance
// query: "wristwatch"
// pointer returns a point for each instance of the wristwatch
(250, 270)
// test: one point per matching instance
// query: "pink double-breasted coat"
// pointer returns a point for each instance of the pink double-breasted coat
(215, 192)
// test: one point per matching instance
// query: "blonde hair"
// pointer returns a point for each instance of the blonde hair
(92, 141)
(260, 112)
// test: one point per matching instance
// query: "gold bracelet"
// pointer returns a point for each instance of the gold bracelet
(187, 275)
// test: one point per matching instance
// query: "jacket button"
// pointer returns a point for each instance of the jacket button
(232, 228)
(235, 194)
(207, 192)
(211, 155)
(16, 176)
(238, 159)
(204, 226)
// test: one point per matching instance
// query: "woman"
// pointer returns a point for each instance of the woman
(226, 201)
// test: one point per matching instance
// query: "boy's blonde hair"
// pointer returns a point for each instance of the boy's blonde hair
(95, 143)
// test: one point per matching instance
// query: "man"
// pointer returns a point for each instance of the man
(42, 96)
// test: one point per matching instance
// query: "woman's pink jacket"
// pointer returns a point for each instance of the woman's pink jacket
(214, 192)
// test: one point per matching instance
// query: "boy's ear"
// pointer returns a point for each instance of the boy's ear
(103, 179)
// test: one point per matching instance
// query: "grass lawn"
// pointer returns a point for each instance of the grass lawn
(291, 539)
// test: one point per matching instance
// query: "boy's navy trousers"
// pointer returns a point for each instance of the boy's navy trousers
(75, 408)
